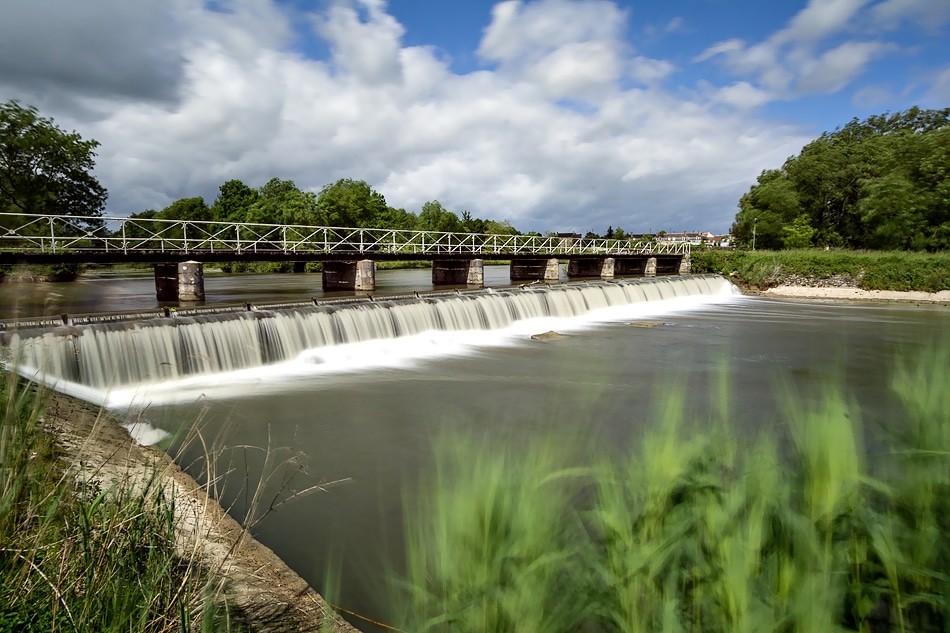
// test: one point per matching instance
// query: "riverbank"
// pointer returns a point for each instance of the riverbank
(831, 274)
(259, 588)
(855, 294)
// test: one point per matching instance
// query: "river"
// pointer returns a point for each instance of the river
(368, 416)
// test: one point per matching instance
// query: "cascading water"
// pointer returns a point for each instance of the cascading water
(127, 355)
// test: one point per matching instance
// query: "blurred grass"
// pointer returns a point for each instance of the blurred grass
(699, 528)
(78, 556)
(901, 271)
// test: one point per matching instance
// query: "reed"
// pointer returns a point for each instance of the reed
(77, 556)
(699, 528)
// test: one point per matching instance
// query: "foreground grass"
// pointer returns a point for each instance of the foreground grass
(899, 270)
(77, 557)
(700, 528)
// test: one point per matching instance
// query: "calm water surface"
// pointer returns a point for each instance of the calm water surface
(125, 292)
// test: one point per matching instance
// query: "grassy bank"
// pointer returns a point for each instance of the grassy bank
(700, 528)
(28, 274)
(77, 556)
(899, 270)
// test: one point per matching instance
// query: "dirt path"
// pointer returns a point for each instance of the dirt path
(268, 594)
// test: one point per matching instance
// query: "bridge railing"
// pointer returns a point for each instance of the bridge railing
(64, 233)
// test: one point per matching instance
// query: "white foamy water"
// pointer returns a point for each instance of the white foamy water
(133, 365)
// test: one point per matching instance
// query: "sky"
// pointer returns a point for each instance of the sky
(556, 115)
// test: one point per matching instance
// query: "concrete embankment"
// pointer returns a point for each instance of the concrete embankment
(856, 294)
(262, 589)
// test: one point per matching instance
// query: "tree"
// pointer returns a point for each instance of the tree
(233, 201)
(799, 233)
(281, 202)
(435, 217)
(44, 169)
(880, 183)
(352, 203)
(499, 228)
(393, 218)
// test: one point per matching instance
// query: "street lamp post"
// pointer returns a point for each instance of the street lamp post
(754, 222)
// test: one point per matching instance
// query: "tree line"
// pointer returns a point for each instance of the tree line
(882, 184)
(345, 203)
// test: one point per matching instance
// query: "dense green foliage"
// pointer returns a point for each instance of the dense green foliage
(700, 527)
(345, 203)
(44, 169)
(882, 183)
(902, 271)
(77, 557)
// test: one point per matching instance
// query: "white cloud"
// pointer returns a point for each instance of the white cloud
(650, 71)
(799, 59)
(499, 143)
(522, 33)
(818, 20)
(577, 68)
(834, 69)
(728, 46)
(368, 49)
(742, 95)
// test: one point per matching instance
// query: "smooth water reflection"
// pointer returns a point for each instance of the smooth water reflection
(129, 292)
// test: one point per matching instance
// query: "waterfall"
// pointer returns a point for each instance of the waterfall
(116, 355)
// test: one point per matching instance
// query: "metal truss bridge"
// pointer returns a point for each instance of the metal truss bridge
(26, 238)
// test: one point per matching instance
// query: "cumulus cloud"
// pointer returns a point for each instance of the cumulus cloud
(522, 33)
(369, 49)
(804, 57)
(508, 142)
(107, 48)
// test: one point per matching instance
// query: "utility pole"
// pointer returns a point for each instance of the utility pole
(754, 222)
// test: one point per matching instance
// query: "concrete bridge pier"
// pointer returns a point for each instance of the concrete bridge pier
(456, 272)
(359, 275)
(650, 270)
(535, 270)
(184, 281)
(685, 265)
(604, 267)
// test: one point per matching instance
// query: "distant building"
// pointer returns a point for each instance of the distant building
(695, 238)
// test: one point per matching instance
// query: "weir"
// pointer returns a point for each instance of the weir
(123, 354)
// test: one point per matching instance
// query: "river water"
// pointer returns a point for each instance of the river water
(369, 418)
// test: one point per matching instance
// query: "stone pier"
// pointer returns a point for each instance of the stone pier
(456, 272)
(535, 270)
(183, 281)
(650, 270)
(359, 275)
(685, 265)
